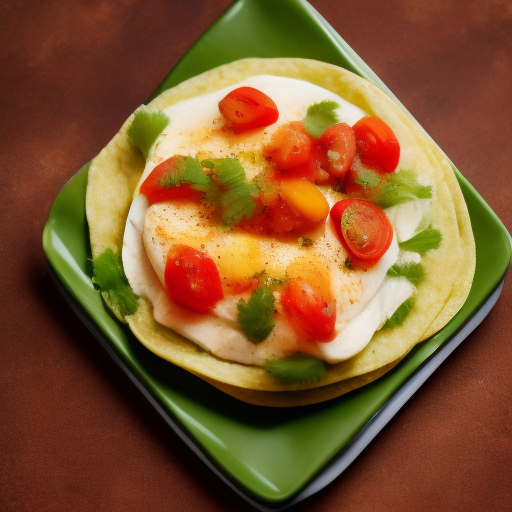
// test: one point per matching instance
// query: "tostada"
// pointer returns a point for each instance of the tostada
(279, 228)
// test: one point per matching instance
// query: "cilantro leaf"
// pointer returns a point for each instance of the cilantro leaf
(109, 276)
(229, 172)
(319, 117)
(296, 369)
(414, 272)
(399, 316)
(256, 316)
(392, 188)
(368, 178)
(146, 126)
(237, 199)
(401, 187)
(237, 203)
(424, 241)
(187, 170)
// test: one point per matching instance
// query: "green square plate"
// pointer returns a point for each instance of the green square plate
(272, 457)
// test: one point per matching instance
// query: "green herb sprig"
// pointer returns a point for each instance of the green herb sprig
(146, 127)
(296, 369)
(110, 278)
(414, 272)
(399, 316)
(319, 117)
(423, 242)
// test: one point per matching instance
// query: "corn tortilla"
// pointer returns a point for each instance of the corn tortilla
(113, 179)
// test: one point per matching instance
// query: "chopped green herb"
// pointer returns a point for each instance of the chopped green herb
(424, 241)
(320, 116)
(146, 126)
(414, 272)
(368, 178)
(296, 369)
(237, 200)
(229, 172)
(401, 187)
(110, 278)
(400, 314)
(237, 203)
(256, 316)
(188, 170)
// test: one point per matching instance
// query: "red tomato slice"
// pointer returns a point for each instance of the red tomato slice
(376, 144)
(192, 279)
(339, 143)
(312, 314)
(247, 108)
(364, 230)
(155, 190)
(290, 146)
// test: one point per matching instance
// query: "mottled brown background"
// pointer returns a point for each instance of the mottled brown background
(74, 432)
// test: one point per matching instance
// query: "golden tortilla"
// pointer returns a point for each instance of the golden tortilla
(113, 178)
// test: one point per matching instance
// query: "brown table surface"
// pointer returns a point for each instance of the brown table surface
(74, 432)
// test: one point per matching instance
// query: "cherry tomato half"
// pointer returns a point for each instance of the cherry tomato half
(290, 146)
(310, 310)
(363, 229)
(339, 144)
(376, 144)
(192, 279)
(322, 160)
(154, 187)
(247, 108)
(312, 169)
